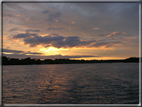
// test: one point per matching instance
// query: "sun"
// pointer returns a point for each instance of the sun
(50, 51)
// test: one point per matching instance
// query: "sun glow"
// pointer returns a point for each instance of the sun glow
(52, 51)
(8, 53)
(99, 58)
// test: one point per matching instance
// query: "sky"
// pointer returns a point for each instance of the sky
(71, 30)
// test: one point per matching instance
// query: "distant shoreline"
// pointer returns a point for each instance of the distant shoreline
(29, 61)
(74, 63)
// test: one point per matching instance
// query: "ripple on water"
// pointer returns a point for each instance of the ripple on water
(71, 84)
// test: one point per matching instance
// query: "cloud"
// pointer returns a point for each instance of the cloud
(31, 30)
(54, 40)
(113, 34)
(46, 40)
(45, 11)
(58, 41)
(67, 42)
(19, 52)
(116, 43)
(75, 56)
(53, 28)
(124, 38)
(125, 33)
(10, 15)
(27, 18)
(53, 16)
(129, 38)
(33, 52)
(103, 34)
(110, 34)
(13, 29)
(7, 15)
(73, 22)
(79, 56)
(115, 38)
(20, 56)
(96, 28)
(23, 35)
(11, 51)
(107, 44)
(100, 44)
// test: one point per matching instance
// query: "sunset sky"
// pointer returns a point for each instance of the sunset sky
(71, 30)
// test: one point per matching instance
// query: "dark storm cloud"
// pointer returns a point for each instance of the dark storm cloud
(58, 41)
(54, 40)
(13, 29)
(11, 51)
(31, 30)
(53, 16)
(67, 42)
(53, 28)
(19, 52)
(43, 40)
(23, 35)
(45, 11)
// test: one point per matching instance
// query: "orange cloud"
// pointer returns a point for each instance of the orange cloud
(118, 45)
(125, 41)
(17, 15)
(21, 43)
(56, 20)
(73, 22)
(129, 38)
(96, 28)
(125, 33)
(113, 34)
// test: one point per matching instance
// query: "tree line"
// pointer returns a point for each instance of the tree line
(29, 61)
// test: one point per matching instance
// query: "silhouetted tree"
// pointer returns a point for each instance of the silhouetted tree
(28, 61)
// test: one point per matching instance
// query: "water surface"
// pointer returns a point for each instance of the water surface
(99, 83)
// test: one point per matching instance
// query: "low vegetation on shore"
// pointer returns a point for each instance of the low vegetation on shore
(29, 61)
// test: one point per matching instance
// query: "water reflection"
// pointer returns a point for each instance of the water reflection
(71, 84)
(53, 84)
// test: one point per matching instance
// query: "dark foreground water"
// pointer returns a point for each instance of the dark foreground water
(106, 83)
